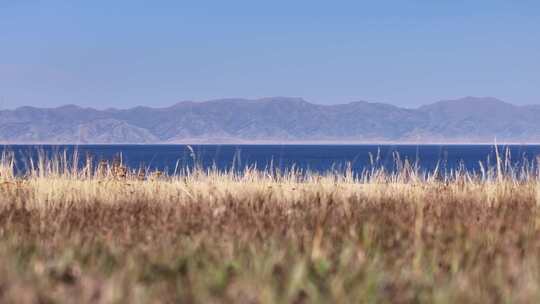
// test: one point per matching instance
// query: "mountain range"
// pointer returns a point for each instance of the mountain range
(276, 120)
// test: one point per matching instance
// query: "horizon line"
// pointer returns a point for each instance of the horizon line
(270, 99)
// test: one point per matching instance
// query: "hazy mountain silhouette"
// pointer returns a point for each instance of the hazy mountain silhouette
(278, 119)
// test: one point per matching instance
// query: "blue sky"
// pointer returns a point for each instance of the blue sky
(125, 53)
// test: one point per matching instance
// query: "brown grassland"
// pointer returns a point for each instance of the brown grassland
(110, 235)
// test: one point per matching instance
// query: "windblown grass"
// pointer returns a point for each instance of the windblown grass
(101, 233)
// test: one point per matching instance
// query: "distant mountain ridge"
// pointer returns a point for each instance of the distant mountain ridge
(276, 120)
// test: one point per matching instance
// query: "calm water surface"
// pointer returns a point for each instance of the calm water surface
(319, 158)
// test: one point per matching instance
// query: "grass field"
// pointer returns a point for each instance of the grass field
(105, 234)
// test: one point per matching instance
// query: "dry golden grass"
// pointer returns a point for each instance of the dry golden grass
(108, 235)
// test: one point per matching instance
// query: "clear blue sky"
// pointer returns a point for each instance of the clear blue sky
(406, 52)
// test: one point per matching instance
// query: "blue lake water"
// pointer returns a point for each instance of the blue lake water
(318, 158)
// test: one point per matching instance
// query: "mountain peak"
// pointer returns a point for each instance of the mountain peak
(276, 119)
(282, 99)
(69, 107)
(469, 102)
(483, 100)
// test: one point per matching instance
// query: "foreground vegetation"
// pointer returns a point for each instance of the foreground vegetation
(105, 234)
